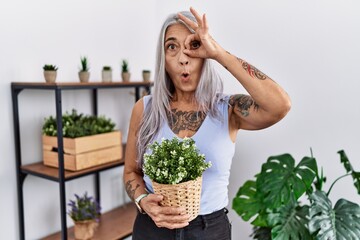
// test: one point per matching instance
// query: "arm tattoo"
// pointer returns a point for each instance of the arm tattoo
(185, 120)
(242, 103)
(130, 191)
(252, 71)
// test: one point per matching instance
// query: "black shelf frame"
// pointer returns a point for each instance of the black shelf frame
(16, 89)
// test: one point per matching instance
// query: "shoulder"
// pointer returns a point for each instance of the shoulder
(141, 104)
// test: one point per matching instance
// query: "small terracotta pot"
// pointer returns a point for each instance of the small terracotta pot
(146, 76)
(106, 75)
(84, 76)
(50, 76)
(125, 76)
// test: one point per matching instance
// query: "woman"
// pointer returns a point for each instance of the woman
(187, 101)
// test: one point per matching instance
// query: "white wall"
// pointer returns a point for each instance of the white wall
(311, 48)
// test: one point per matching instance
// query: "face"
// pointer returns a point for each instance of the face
(183, 70)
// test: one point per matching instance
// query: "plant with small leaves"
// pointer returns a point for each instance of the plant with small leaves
(125, 66)
(50, 67)
(84, 64)
(173, 161)
(77, 125)
(84, 208)
(106, 68)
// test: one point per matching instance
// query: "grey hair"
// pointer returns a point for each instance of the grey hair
(207, 92)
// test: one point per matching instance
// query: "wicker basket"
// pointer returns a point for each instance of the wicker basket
(185, 194)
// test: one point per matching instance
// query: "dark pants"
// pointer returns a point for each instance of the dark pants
(214, 226)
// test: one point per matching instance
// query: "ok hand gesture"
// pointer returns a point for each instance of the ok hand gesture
(200, 44)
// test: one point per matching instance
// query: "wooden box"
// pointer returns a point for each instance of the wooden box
(83, 152)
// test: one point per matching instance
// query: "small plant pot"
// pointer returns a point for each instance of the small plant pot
(106, 75)
(50, 76)
(125, 76)
(85, 229)
(146, 76)
(84, 76)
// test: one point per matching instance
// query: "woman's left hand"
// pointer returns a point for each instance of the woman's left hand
(200, 44)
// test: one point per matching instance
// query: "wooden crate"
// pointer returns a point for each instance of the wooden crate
(83, 152)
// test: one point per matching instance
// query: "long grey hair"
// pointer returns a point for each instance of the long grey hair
(206, 94)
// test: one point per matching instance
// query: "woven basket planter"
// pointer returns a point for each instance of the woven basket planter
(84, 230)
(185, 195)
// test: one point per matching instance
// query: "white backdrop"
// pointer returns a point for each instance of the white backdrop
(311, 48)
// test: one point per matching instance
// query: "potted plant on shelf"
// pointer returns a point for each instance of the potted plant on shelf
(175, 168)
(84, 73)
(146, 75)
(272, 202)
(85, 212)
(125, 74)
(50, 72)
(87, 140)
(106, 74)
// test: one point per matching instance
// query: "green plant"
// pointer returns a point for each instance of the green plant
(50, 67)
(146, 71)
(84, 208)
(272, 202)
(125, 66)
(77, 125)
(173, 161)
(106, 68)
(84, 64)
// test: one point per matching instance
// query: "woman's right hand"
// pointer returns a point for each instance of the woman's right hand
(169, 217)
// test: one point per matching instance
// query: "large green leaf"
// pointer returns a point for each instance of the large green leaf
(290, 222)
(349, 169)
(248, 203)
(280, 180)
(340, 223)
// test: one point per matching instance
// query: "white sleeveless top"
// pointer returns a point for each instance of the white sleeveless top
(213, 140)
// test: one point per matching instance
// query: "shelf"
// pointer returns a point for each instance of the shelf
(78, 85)
(51, 173)
(115, 224)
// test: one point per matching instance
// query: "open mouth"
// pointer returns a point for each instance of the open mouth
(185, 75)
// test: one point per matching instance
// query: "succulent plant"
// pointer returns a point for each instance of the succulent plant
(50, 67)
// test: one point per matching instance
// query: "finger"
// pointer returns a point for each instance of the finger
(173, 211)
(154, 197)
(196, 15)
(189, 22)
(205, 23)
(172, 225)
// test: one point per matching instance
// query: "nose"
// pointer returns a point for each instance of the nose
(183, 59)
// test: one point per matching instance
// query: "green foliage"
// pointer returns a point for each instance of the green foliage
(342, 222)
(125, 66)
(272, 200)
(84, 208)
(106, 68)
(84, 64)
(50, 67)
(173, 161)
(77, 125)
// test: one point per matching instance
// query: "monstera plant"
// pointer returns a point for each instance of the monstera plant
(272, 202)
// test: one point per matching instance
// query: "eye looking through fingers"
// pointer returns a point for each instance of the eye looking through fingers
(195, 45)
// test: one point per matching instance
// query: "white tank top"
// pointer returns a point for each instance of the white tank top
(213, 140)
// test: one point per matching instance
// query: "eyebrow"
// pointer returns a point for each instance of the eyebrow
(170, 39)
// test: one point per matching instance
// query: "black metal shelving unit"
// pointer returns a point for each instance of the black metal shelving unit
(60, 175)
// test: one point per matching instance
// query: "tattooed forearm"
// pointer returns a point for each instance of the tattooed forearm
(185, 120)
(252, 71)
(242, 103)
(131, 191)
